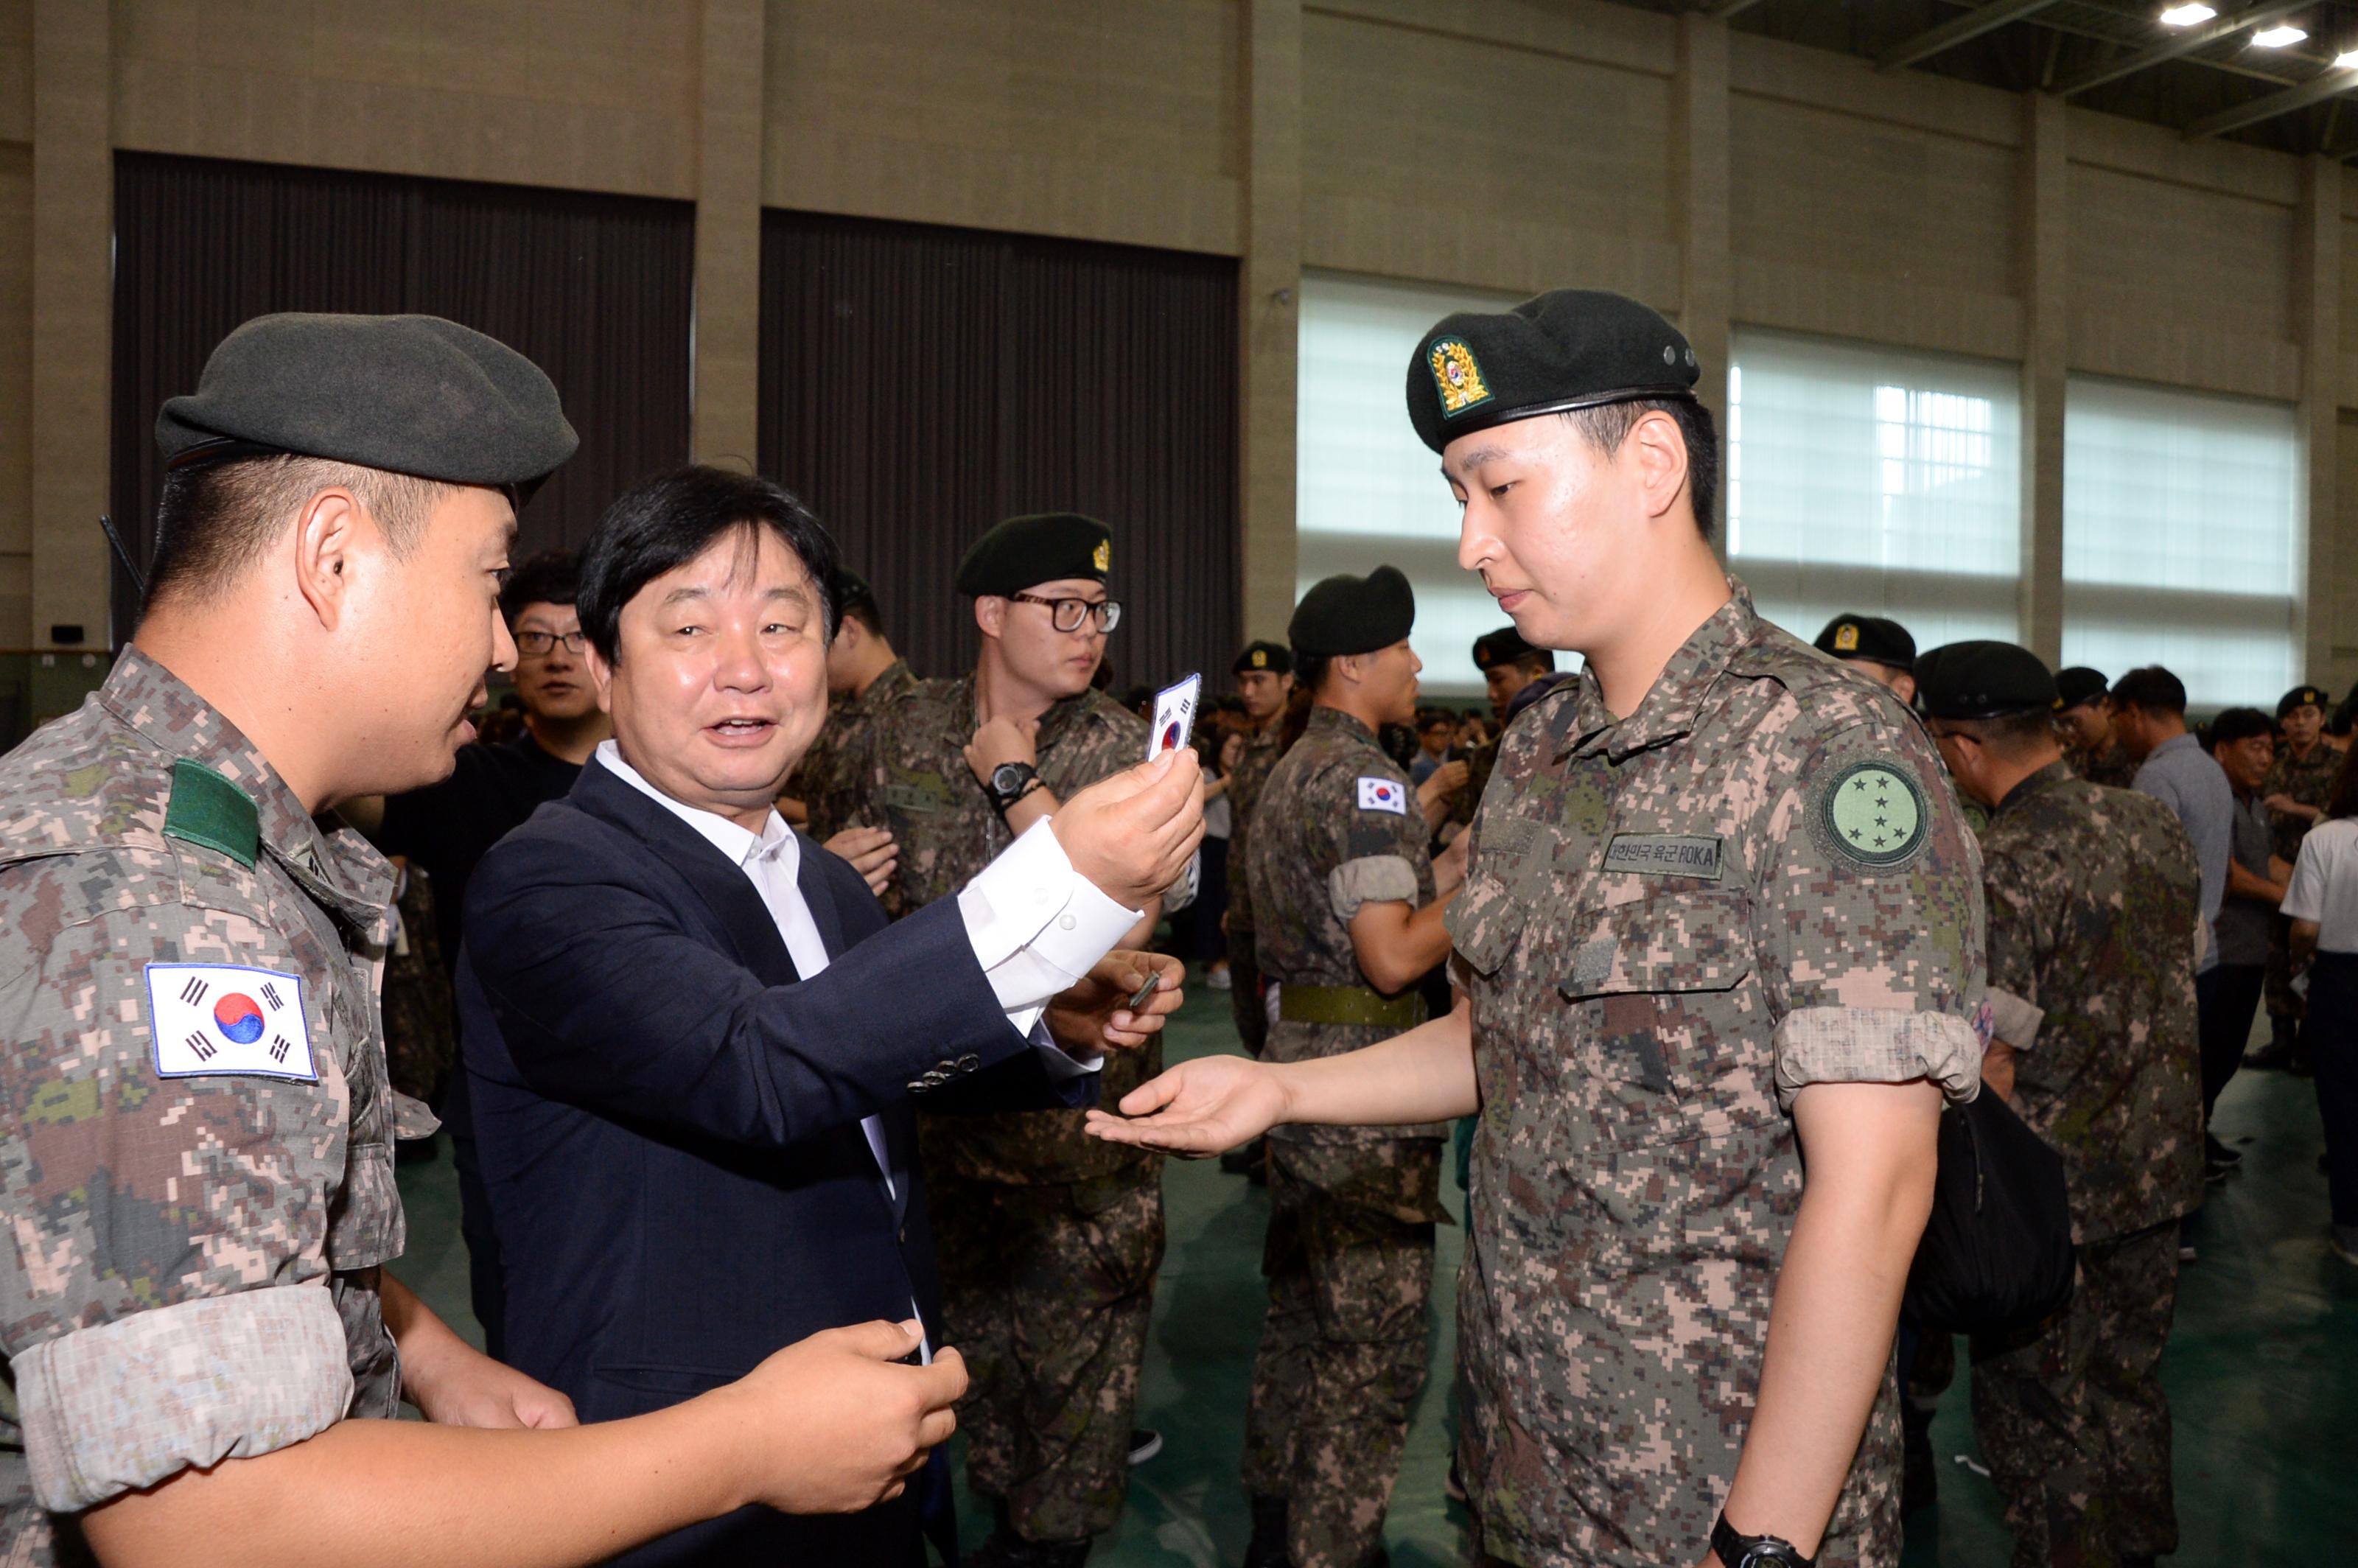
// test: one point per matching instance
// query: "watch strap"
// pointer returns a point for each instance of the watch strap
(1027, 781)
(1737, 1549)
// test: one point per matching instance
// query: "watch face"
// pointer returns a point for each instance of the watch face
(1007, 778)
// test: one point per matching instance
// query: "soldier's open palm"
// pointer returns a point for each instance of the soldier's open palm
(1197, 1108)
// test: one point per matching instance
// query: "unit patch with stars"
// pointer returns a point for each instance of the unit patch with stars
(1873, 812)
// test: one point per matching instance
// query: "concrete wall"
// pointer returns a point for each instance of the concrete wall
(1721, 177)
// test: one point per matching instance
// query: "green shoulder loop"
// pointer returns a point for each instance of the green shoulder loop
(208, 810)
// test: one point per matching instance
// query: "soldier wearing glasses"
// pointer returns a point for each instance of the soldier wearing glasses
(1048, 1240)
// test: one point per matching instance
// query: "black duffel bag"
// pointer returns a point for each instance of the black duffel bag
(1996, 1255)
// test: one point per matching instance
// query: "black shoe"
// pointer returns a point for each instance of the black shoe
(2270, 1057)
(2218, 1153)
(1267, 1547)
(1145, 1443)
(1005, 1548)
(1920, 1472)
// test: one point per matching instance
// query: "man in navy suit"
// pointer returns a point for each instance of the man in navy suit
(693, 1040)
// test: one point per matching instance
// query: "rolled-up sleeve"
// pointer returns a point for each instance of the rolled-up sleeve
(1873, 949)
(167, 1302)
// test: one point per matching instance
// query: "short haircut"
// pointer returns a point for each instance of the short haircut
(667, 522)
(2010, 735)
(1309, 670)
(552, 577)
(1536, 661)
(2240, 724)
(1427, 720)
(215, 520)
(2151, 688)
(864, 611)
(855, 601)
(1608, 425)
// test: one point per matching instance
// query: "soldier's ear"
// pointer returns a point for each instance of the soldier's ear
(326, 556)
(990, 615)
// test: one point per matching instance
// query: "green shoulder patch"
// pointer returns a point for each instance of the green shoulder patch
(1873, 812)
(208, 810)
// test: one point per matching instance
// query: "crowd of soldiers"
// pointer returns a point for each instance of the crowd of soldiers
(1716, 901)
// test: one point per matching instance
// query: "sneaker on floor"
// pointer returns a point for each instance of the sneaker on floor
(2345, 1244)
(1218, 979)
(1145, 1443)
(2218, 1153)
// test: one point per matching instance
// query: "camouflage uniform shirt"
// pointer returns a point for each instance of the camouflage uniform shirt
(2092, 901)
(1672, 923)
(2112, 767)
(2308, 780)
(1338, 828)
(914, 779)
(199, 1219)
(828, 782)
(1255, 759)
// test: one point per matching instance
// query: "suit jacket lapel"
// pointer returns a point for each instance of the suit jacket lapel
(811, 878)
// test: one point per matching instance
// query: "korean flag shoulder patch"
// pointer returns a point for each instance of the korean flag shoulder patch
(1383, 794)
(224, 1021)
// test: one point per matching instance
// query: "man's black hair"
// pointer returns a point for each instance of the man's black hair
(2151, 688)
(1608, 425)
(552, 577)
(1309, 669)
(2238, 724)
(663, 524)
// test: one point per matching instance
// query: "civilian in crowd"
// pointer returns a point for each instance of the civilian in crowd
(2322, 905)
(2228, 993)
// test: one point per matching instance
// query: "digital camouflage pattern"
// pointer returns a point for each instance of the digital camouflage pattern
(195, 1268)
(1348, 1257)
(2309, 781)
(1349, 1251)
(2112, 766)
(828, 782)
(2073, 1420)
(1255, 759)
(1316, 855)
(2093, 894)
(419, 1039)
(1672, 923)
(914, 779)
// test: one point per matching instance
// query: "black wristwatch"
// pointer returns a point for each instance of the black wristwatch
(1010, 781)
(1737, 1549)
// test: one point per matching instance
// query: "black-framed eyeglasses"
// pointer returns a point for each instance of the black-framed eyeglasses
(538, 644)
(1066, 615)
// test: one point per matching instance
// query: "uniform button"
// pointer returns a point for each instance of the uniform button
(1067, 921)
(969, 1062)
(919, 1086)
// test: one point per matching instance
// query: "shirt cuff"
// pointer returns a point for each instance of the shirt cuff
(2013, 1020)
(1036, 925)
(1876, 1046)
(122, 1406)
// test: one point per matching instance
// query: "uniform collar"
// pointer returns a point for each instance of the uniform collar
(2053, 773)
(1325, 721)
(1670, 705)
(1059, 718)
(336, 865)
(889, 682)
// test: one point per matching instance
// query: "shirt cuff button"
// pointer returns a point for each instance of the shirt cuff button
(1067, 921)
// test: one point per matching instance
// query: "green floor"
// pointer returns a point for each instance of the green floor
(2262, 1371)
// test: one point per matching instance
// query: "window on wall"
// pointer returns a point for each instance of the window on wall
(1875, 480)
(1369, 492)
(2181, 519)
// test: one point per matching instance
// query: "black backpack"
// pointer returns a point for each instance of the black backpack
(1997, 1254)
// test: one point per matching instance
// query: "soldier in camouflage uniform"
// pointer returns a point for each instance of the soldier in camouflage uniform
(1048, 1241)
(1348, 921)
(196, 1125)
(1718, 914)
(1264, 673)
(1508, 664)
(417, 1030)
(864, 677)
(2084, 724)
(2296, 791)
(2091, 895)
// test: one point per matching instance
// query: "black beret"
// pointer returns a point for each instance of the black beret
(2077, 686)
(1503, 646)
(1983, 680)
(1571, 348)
(1023, 552)
(1263, 655)
(413, 395)
(1345, 615)
(1870, 637)
(2303, 696)
(853, 592)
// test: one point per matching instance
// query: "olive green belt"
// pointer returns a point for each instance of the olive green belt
(1349, 1004)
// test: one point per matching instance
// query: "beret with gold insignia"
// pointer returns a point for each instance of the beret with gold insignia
(1263, 655)
(2079, 686)
(414, 395)
(1345, 615)
(1870, 637)
(2303, 696)
(1570, 348)
(1503, 646)
(1024, 552)
(1981, 680)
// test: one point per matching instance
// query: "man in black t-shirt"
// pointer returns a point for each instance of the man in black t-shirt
(445, 829)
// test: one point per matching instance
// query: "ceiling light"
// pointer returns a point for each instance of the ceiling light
(2277, 38)
(2186, 15)
(2346, 61)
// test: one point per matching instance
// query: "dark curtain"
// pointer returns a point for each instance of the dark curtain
(595, 289)
(920, 383)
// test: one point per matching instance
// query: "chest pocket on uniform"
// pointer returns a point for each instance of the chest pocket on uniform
(1657, 986)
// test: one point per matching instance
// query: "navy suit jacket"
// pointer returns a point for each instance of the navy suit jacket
(668, 1119)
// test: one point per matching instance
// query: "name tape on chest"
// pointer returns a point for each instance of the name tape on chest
(222, 1019)
(1664, 855)
(1383, 794)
